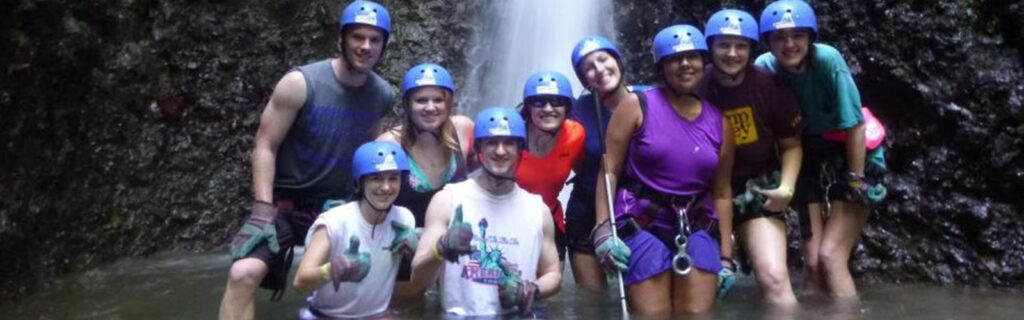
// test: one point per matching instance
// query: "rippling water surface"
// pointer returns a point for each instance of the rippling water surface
(189, 286)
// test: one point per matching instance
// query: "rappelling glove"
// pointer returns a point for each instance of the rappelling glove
(258, 227)
(776, 195)
(350, 266)
(405, 241)
(331, 203)
(611, 252)
(864, 191)
(513, 291)
(456, 241)
(726, 278)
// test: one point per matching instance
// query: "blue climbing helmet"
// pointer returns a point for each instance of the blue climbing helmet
(731, 22)
(588, 45)
(367, 13)
(496, 122)
(427, 74)
(547, 83)
(378, 156)
(785, 14)
(677, 39)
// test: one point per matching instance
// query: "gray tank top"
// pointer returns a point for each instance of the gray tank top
(315, 158)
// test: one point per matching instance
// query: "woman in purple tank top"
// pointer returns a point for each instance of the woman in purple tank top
(669, 158)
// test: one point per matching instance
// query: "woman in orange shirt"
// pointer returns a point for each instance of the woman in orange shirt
(554, 144)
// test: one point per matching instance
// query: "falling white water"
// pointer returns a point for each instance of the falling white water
(528, 36)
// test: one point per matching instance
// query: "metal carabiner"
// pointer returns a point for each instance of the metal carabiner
(681, 262)
(826, 179)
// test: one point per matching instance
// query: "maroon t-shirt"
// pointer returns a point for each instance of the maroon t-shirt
(761, 110)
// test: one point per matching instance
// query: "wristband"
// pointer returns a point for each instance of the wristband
(325, 271)
(437, 255)
(786, 189)
(732, 264)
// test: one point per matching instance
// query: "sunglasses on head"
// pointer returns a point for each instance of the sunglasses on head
(555, 101)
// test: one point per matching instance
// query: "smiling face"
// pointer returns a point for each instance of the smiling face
(731, 54)
(601, 70)
(547, 112)
(682, 72)
(500, 154)
(362, 47)
(428, 107)
(381, 189)
(790, 47)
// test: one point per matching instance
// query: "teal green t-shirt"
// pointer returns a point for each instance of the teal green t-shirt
(827, 94)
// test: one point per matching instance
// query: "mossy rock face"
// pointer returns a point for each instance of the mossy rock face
(127, 125)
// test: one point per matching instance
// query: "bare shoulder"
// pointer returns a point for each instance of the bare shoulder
(290, 92)
(393, 134)
(463, 126)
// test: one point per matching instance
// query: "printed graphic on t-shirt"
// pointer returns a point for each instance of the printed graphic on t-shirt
(484, 265)
(743, 127)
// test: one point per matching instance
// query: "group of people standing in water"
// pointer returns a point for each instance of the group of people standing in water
(667, 176)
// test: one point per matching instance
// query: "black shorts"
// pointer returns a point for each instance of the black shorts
(824, 162)
(579, 221)
(755, 210)
(291, 224)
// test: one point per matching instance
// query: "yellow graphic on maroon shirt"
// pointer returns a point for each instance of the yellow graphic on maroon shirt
(743, 127)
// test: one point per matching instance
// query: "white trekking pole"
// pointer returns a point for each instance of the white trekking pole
(608, 192)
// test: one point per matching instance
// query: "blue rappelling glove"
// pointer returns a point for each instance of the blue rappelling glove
(726, 278)
(513, 291)
(331, 203)
(612, 253)
(456, 241)
(351, 266)
(405, 241)
(863, 191)
(258, 227)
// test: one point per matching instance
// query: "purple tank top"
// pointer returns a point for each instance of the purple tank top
(671, 154)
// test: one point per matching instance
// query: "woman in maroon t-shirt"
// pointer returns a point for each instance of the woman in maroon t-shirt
(764, 116)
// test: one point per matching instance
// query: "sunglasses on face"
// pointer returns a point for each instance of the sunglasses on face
(555, 101)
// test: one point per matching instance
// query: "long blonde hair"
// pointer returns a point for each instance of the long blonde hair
(448, 136)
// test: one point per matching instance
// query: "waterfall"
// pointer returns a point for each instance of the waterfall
(524, 36)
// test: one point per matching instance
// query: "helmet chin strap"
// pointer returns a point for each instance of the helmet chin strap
(732, 76)
(678, 94)
(380, 212)
(497, 177)
(421, 131)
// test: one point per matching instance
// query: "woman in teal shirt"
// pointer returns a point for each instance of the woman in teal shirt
(835, 186)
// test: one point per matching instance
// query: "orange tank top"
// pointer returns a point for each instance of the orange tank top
(545, 176)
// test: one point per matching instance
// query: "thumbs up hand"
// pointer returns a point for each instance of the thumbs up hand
(351, 266)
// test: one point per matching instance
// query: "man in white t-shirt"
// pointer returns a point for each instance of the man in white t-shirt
(494, 240)
(352, 255)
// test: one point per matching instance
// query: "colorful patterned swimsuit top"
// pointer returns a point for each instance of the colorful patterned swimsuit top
(416, 195)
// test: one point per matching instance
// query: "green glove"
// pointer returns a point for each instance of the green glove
(513, 291)
(457, 240)
(726, 279)
(351, 266)
(258, 227)
(405, 241)
(612, 253)
(864, 191)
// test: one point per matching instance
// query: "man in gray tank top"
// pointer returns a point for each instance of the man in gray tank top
(316, 117)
